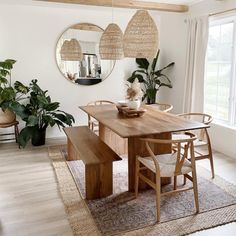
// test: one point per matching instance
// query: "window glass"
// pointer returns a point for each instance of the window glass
(219, 71)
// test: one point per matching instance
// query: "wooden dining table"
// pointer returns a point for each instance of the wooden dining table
(123, 133)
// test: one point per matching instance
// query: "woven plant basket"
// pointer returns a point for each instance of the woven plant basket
(6, 117)
(141, 36)
(111, 43)
(71, 51)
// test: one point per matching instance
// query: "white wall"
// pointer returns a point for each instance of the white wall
(29, 31)
(223, 138)
(173, 49)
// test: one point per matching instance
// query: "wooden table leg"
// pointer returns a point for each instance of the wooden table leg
(137, 147)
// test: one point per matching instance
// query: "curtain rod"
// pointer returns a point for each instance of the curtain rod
(222, 12)
(218, 13)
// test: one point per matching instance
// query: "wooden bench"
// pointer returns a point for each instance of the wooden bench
(83, 144)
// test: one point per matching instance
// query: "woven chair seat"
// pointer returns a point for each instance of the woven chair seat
(167, 164)
(196, 142)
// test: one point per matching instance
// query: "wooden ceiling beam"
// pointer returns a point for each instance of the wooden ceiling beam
(127, 4)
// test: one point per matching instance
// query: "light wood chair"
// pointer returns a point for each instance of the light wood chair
(163, 107)
(93, 123)
(168, 165)
(203, 138)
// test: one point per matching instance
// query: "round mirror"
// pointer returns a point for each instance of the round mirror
(77, 55)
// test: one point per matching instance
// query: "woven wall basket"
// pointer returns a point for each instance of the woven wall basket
(141, 36)
(111, 43)
(71, 51)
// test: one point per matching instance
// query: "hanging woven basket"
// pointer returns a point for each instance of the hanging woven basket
(141, 36)
(71, 51)
(111, 43)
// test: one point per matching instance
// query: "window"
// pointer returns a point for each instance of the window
(220, 80)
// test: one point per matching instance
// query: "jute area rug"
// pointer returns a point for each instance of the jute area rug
(122, 214)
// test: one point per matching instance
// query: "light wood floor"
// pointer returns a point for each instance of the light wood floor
(29, 201)
(30, 204)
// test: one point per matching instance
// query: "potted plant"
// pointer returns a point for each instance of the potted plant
(39, 113)
(134, 95)
(9, 94)
(151, 77)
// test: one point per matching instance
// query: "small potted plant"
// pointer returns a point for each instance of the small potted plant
(134, 95)
(150, 77)
(39, 113)
(9, 94)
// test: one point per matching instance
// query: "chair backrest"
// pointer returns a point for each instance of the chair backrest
(176, 147)
(200, 117)
(99, 102)
(163, 107)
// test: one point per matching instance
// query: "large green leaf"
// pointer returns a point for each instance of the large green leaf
(32, 120)
(165, 85)
(51, 106)
(169, 65)
(48, 119)
(154, 63)
(3, 80)
(69, 116)
(140, 71)
(4, 105)
(136, 76)
(7, 64)
(65, 118)
(20, 110)
(42, 100)
(19, 87)
(142, 63)
(25, 135)
(49, 99)
(159, 73)
(33, 99)
(8, 94)
(4, 72)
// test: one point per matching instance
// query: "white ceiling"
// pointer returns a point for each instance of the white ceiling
(186, 2)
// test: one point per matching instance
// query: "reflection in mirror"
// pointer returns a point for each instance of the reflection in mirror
(77, 55)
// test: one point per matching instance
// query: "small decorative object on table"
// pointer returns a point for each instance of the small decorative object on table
(129, 112)
(134, 96)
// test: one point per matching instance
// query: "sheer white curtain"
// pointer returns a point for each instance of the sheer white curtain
(195, 64)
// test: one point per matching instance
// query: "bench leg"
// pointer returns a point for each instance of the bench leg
(98, 180)
(72, 155)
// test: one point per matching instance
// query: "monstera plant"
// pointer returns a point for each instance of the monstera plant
(39, 113)
(151, 77)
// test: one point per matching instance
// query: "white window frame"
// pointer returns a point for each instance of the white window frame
(232, 96)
